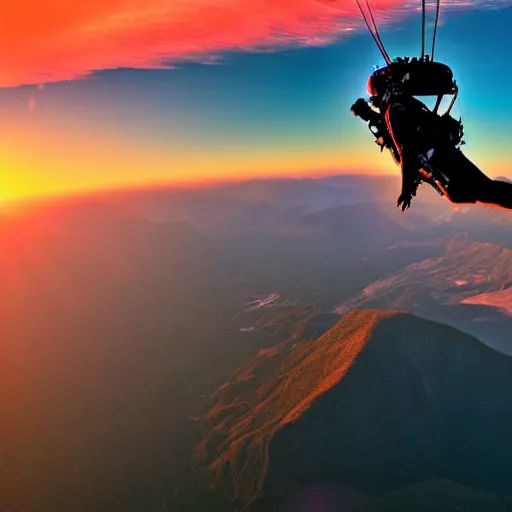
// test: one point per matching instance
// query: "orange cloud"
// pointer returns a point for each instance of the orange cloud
(54, 40)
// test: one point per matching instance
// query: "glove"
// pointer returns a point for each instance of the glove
(404, 201)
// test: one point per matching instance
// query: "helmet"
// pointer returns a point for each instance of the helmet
(378, 81)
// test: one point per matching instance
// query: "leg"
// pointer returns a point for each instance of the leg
(468, 184)
(498, 193)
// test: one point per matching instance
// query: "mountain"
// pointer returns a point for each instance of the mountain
(386, 189)
(381, 401)
(307, 194)
(481, 222)
(439, 288)
(313, 195)
(211, 211)
(263, 206)
(355, 223)
(466, 215)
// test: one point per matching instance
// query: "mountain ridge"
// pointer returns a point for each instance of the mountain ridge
(347, 330)
(258, 443)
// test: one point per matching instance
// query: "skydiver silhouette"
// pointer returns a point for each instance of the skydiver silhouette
(406, 126)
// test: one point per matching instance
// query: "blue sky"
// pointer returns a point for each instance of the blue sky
(281, 111)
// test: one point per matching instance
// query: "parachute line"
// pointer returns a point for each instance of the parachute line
(435, 28)
(383, 49)
(423, 29)
(376, 36)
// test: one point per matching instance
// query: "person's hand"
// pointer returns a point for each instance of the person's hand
(404, 201)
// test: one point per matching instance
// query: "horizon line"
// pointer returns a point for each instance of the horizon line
(10, 204)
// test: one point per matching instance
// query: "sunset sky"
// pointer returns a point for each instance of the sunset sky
(114, 93)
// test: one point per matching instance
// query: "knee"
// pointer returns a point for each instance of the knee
(486, 190)
(469, 193)
(461, 197)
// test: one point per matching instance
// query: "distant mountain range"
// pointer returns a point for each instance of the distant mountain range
(381, 401)
(123, 312)
(356, 223)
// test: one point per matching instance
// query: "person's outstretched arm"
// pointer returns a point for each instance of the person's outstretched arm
(403, 131)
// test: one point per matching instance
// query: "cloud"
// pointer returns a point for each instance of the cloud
(55, 40)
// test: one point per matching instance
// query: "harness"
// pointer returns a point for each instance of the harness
(432, 129)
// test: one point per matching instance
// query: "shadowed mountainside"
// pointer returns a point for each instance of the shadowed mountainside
(270, 391)
(433, 495)
(379, 402)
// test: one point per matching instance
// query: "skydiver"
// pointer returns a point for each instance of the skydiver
(409, 129)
